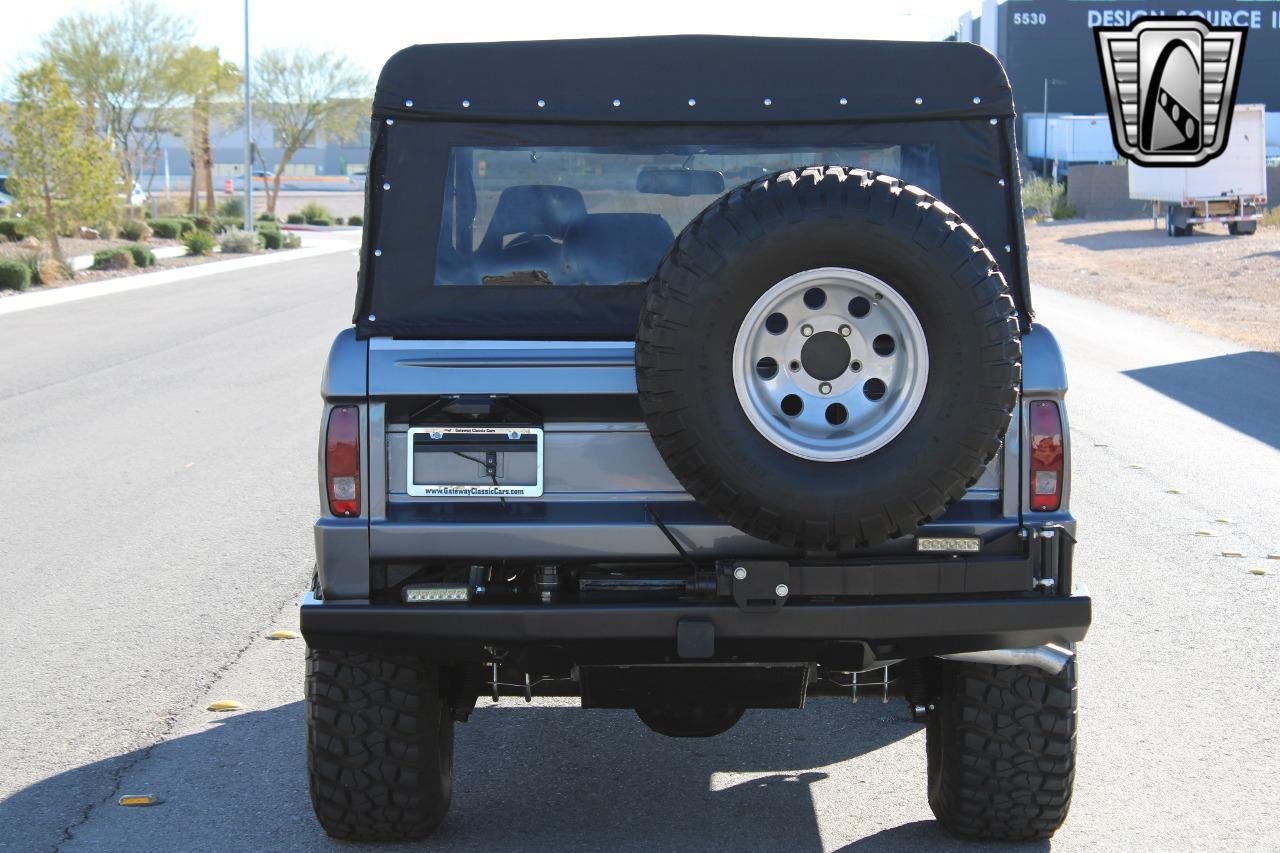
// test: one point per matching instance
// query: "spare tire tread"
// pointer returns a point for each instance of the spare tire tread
(744, 215)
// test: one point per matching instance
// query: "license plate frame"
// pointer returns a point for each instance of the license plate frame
(462, 435)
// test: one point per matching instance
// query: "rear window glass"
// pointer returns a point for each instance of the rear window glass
(606, 215)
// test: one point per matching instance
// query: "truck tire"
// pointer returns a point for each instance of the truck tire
(1174, 222)
(379, 745)
(831, 270)
(1242, 229)
(1001, 744)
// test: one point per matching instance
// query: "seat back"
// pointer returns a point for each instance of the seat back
(532, 209)
(607, 248)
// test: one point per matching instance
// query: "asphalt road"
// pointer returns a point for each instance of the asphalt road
(157, 452)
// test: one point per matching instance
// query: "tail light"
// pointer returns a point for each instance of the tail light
(1045, 429)
(342, 460)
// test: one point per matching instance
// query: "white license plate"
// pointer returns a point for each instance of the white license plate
(475, 462)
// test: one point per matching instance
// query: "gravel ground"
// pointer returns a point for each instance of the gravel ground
(71, 247)
(1212, 282)
(100, 275)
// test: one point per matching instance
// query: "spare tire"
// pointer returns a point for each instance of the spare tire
(827, 358)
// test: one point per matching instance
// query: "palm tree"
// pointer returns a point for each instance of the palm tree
(208, 80)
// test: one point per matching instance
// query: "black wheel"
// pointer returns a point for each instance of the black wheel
(1242, 229)
(379, 745)
(827, 358)
(689, 722)
(1001, 750)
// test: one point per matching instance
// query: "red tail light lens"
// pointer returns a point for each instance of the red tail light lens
(342, 460)
(1045, 439)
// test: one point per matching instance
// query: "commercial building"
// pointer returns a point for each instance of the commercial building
(1047, 47)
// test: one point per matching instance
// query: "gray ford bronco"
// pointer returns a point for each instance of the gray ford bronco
(675, 385)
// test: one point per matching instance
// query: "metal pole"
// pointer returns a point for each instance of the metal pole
(248, 129)
(1045, 150)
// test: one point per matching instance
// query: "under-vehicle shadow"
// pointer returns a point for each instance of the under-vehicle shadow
(1239, 390)
(1110, 241)
(927, 835)
(528, 777)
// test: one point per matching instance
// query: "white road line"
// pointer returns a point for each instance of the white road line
(75, 293)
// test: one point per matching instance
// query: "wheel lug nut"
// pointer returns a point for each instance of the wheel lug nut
(825, 387)
(795, 366)
(845, 331)
(806, 330)
(856, 366)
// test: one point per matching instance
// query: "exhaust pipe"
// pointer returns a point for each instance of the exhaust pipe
(1049, 658)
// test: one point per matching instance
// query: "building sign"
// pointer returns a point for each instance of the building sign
(1053, 40)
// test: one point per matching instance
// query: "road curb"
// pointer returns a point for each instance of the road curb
(76, 293)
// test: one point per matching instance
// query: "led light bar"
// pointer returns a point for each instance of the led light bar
(436, 593)
(948, 544)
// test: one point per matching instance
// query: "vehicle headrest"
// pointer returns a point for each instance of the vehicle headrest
(607, 248)
(533, 209)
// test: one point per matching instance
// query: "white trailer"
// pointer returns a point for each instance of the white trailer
(1231, 188)
(1071, 139)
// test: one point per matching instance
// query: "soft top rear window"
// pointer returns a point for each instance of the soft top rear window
(587, 216)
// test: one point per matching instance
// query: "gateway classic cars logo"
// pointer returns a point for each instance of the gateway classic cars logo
(1171, 88)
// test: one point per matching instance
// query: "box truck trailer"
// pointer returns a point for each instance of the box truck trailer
(1231, 188)
(1069, 139)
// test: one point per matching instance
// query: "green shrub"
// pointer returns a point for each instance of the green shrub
(239, 242)
(295, 219)
(107, 231)
(113, 259)
(355, 220)
(338, 220)
(1045, 199)
(170, 229)
(198, 243)
(290, 240)
(312, 212)
(319, 223)
(271, 238)
(134, 229)
(266, 217)
(19, 229)
(14, 275)
(232, 208)
(203, 223)
(142, 256)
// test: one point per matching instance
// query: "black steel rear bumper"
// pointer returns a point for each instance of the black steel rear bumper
(867, 630)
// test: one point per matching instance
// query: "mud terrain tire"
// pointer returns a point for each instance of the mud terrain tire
(1001, 747)
(379, 745)
(750, 240)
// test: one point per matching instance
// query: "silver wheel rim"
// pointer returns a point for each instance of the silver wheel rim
(887, 356)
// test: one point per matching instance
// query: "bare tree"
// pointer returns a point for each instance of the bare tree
(127, 68)
(302, 94)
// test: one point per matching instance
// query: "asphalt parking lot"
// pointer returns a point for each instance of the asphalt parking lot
(163, 442)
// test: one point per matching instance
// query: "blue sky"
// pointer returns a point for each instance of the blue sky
(371, 30)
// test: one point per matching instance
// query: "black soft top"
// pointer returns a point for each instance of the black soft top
(654, 78)
(952, 96)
